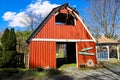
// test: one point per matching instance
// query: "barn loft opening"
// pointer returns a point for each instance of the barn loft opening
(65, 53)
(65, 18)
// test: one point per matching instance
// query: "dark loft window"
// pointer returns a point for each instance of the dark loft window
(66, 19)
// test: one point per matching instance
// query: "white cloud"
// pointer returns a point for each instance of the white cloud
(22, 19)
(17, 19)
(41, 8)
(9, 15)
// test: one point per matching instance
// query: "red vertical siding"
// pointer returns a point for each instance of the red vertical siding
(59, 31)
(42, 54)
(82, 59)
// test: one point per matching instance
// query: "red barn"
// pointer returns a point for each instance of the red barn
(61, 38)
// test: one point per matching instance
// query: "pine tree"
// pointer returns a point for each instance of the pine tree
(8, 43)
(5, 40)
(12, 40)
(0, 51)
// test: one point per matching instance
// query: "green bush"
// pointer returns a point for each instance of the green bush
(7, 59)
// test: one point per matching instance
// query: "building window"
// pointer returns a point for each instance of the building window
(66, 19)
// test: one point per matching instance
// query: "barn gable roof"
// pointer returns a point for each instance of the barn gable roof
(50, 14)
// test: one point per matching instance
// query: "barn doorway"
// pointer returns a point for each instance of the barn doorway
(65, 53)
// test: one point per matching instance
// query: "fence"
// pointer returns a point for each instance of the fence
(102, 55)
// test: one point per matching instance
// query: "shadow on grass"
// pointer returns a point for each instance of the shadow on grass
(17, 74)
(55, 74)
(60, 77)
(32, 74)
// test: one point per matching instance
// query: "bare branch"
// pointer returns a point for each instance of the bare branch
(105, 14)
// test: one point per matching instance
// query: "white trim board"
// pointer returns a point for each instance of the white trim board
(76, 55)
(63, 40)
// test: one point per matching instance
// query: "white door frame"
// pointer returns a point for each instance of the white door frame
(76, 54)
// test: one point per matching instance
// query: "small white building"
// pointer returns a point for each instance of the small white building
(107, 49)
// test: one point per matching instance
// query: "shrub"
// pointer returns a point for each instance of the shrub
(7, 59)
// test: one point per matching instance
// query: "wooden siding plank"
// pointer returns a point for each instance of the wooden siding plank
(41, 54)
(52, 30)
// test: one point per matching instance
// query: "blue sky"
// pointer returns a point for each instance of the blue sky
(11, 10)
(10, 5)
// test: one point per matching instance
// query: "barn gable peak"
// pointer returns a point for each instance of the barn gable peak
(54, 11)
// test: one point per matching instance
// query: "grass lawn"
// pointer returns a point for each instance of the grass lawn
(67, 65)
(36, 74)
(18, 74)
(60, 55)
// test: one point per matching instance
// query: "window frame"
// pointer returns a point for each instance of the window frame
(60, 22)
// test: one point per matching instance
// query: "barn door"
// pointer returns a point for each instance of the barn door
(65, 53)
(71, 52)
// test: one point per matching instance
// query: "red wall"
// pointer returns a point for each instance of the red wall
(57, 31)
(42, 54)
(82, 59)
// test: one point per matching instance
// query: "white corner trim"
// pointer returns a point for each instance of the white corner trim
(76, 55)
(85, 26)
(56, 13)
(63, 40)
(69, 9)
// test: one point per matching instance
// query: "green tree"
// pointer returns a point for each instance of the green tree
(22, 46)
(0, 51)
(8, 43)
(12, 40)
(8, 40)
(5, 40)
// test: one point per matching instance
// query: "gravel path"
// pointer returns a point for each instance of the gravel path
(99, 74)
(72, 73)
(109, 72)
(115, 68)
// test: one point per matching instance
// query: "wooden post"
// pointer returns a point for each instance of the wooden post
(108, 52)
(96, 53)
(118, 52)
